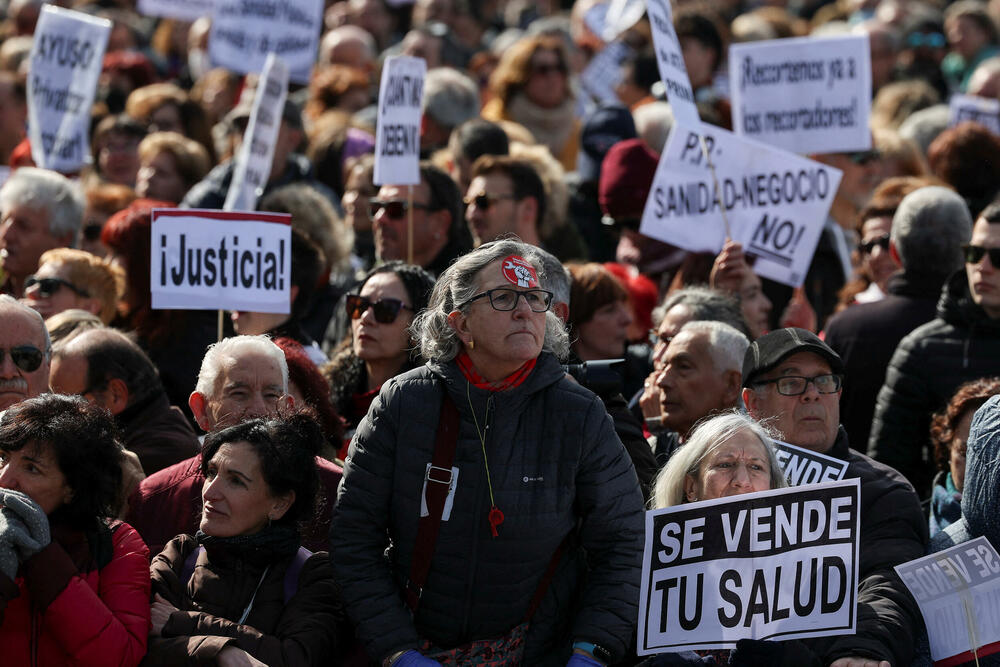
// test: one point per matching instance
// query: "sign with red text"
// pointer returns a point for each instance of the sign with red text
(397, 132)
(221, 260)
(773, 565)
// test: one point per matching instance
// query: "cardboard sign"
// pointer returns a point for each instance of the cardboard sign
(806, 95)
(604, 72)
(771, 565)
(776, 202)
(982, 110)
(958, 591)
(397, 133)
(670, 61)
(253, 161)
(804, 466)
(183, 10)
(66, 59)
(212, 260)
(243, 33)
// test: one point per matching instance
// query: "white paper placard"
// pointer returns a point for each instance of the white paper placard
(805, 95)
(778, 565)
(958, 592)
(982, 110)
(671, 62)
(397, 133)
(221, 260)
(243, 33)
(776, 202)
(66, 59)
(253, 161)
(604, 72)
(622, 15)
(804, 466)
(182, 10)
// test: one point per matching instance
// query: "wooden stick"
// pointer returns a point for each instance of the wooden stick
(219, 336)
(409, 224)
(718, 190)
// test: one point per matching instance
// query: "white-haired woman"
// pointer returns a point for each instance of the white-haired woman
(490, 473)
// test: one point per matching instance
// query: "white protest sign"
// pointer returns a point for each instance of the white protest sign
(221, 260)
(777, 564)
(183, 10)
(982, 110)
(604, 72)
(804, 466)
(243, 33)
(958, 592)
(806, 95)
(621, 15)
(397, 132)
(776, 202)
(66, 58)
(671, 62)
(253, 162)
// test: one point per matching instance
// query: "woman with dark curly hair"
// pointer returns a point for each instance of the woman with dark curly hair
(243, 590)
(380, 345)
(949, 433)
(74, 584)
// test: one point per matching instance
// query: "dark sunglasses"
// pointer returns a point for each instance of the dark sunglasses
(864, 157)
(934, 40)
(395, 208)
(385, 310)
(26, 357)
(484, 201)
(974, 254)
(92, 232)
(49, 286)
(548, 68)
(867, 247)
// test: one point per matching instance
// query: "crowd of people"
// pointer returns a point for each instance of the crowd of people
(442, 453)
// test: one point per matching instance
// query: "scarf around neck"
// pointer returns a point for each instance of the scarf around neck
(515, 379)
(550, 127)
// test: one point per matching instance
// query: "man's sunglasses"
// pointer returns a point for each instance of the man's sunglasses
(385, 310)
(867, 247)
(974, 254)
(395, 208)
(49, 286)
(26, 357)
(862, 158)
(484, 201)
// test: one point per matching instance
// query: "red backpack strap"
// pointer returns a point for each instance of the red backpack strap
(439, 481)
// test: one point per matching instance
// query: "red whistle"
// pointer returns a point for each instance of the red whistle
(495, 519)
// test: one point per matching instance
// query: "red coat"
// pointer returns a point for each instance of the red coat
(65, 616)
(168, 504)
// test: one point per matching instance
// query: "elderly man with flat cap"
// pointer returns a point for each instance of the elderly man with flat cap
(793, 379)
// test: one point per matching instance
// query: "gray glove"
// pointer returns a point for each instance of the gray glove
(24, 530)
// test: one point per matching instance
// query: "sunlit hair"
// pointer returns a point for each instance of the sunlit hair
(230, 348)
(190, 157)
(514, 70)
(99, 279)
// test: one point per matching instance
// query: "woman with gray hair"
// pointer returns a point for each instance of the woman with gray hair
(481, 485)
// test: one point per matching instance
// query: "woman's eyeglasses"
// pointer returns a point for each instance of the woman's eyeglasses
(385, 310)
(49, 286)
(505, 298)
(867, 247)
(26, 357)
(975, 253)
(394, 208)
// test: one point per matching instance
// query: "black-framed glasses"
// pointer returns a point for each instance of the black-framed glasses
(49, 286)
(796, 385)
(394, 208)
(866, 247)
(385, 310)
(484, 201)
(974, 254)
(505, 298)
(26, 357)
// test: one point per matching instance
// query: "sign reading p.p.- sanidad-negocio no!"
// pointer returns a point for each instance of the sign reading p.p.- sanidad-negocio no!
(212, 260)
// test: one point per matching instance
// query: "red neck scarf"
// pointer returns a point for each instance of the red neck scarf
(475, 379)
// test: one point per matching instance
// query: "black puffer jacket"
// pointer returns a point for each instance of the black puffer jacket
(556, 467)
(961, 344)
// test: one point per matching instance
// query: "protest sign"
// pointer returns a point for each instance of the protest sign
(671, 62)
(213, 260)
(66, 58)
(182, 10)
(243, 33)
(253, 162)
(804, 466)
(621, 15)
(397, 132)
(776, 201)
(604, 72)
(775, 565)
(806, 95)
(982, 110)
(958, 592)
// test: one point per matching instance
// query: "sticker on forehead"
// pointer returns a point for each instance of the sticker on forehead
(518, 272)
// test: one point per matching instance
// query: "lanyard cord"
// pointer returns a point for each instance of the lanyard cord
(495, 516)
(246, 612)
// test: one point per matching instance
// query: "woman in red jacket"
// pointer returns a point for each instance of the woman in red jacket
(74, 585)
